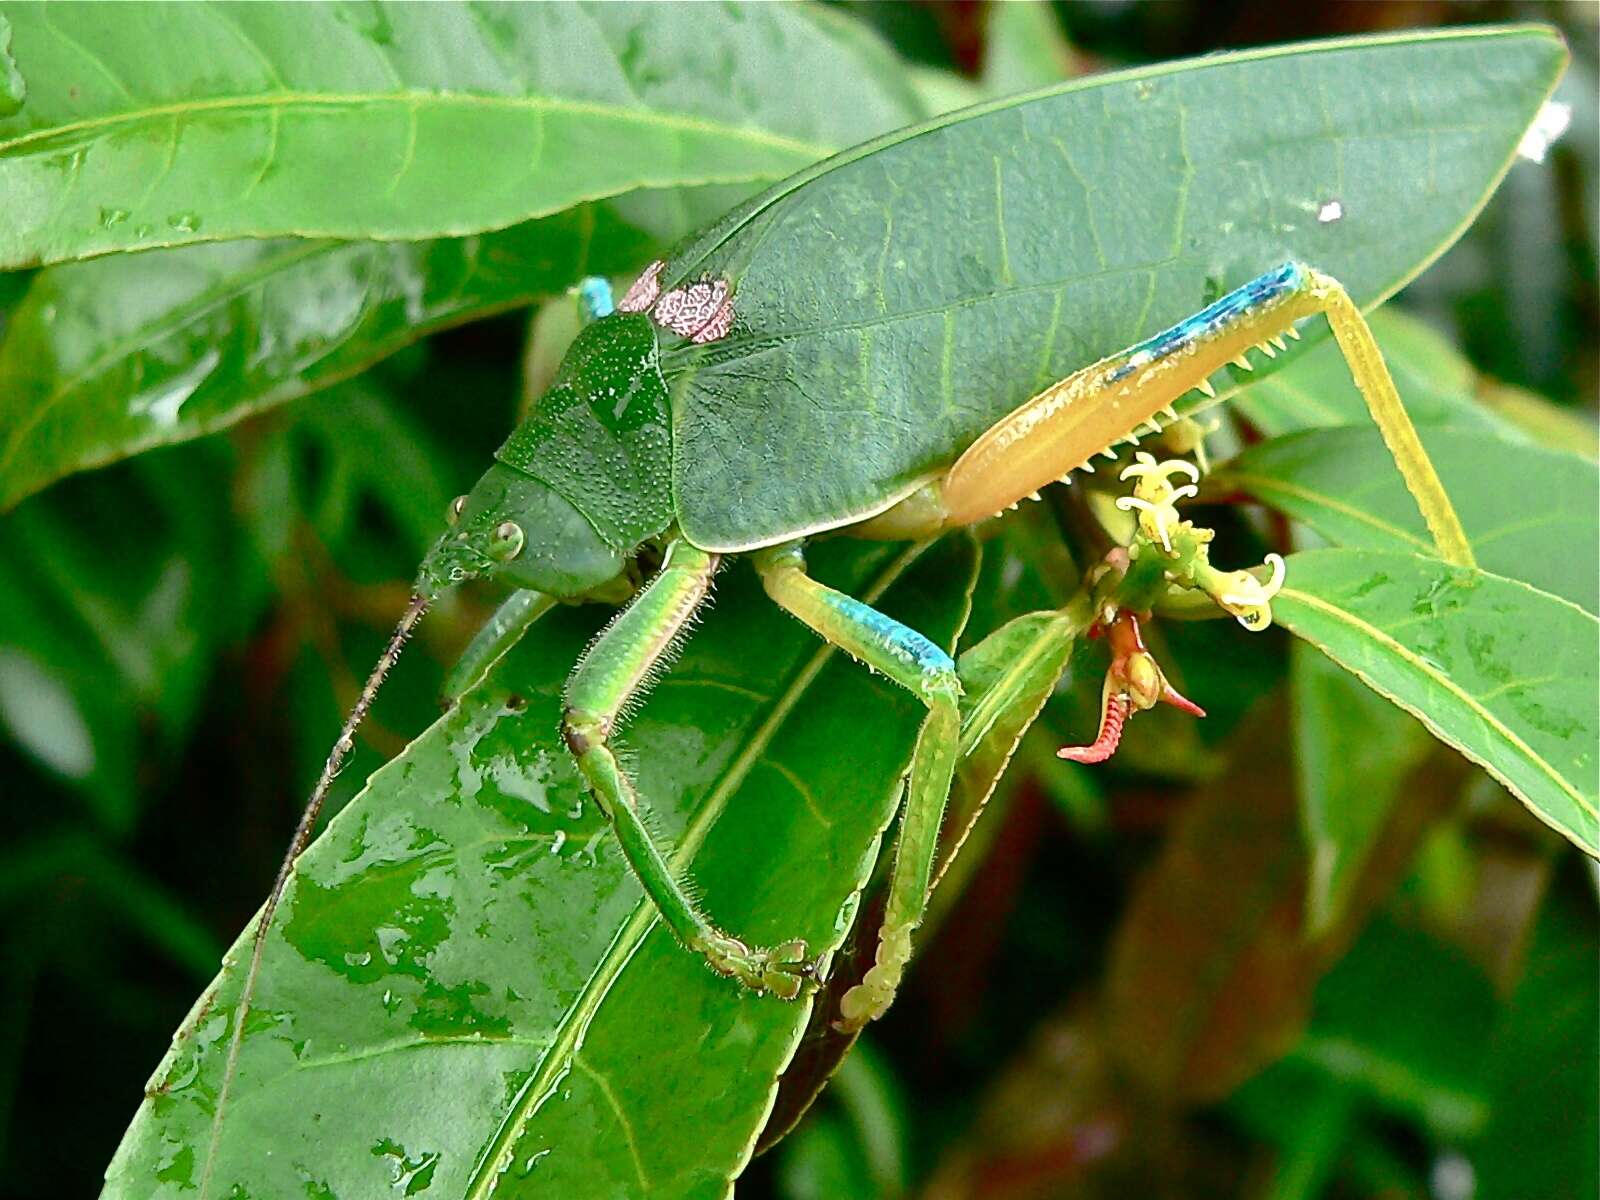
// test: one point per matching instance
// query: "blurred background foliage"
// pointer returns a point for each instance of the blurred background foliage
(1129, 990)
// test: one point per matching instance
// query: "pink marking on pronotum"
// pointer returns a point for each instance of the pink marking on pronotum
(645, 289)
(701, 312)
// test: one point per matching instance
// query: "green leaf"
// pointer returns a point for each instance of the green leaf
(115, 356)
(1530, 513)
(1006, 678)
(1089, 216)
(108, 358)
(1503, 672)
(1353, 753)
(162, 124)
(467, 925)
(1539, 522)
(1024, 47)
(1313, 389)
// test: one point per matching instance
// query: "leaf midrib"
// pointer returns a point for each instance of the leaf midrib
(569, 1031)
(412, 101)
(1263, 485)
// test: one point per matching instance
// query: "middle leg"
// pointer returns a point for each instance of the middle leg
(915, 663)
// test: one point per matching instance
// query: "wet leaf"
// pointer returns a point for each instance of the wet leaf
(1503, 672)
(1341, 483)
(467, 930)
(104, 359)
(111, 357)
(1530, 513)
(176, 123)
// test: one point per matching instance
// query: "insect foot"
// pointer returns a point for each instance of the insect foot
(784, 970)
(870, 998)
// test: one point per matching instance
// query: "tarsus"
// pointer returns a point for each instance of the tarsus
(302, 836)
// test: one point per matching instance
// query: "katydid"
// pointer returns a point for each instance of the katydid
(587, 484)
(717, 410)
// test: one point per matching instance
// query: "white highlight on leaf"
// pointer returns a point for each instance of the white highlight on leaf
(44, 716)
(1547, 127)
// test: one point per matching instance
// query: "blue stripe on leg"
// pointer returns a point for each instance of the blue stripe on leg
(1237, 305)
(905, 643)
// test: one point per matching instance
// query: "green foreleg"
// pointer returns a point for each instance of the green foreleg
(616, 670)
(915, 663)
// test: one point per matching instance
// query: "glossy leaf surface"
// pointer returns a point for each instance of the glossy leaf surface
(858, 321)
(1530, 513)
(104, 359)
(177, 123)
(1500, 670)
(468, 922)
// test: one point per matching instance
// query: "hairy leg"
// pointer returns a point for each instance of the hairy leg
(616, 670)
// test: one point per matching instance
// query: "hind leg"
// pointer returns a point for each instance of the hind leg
(1061, 428)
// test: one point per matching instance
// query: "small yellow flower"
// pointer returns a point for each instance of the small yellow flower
(1155, 498)
(1245, 596)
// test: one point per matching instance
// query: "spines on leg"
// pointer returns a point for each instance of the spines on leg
(1064, 426)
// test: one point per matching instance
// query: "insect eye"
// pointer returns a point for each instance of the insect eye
(456, 506)
(507, 542)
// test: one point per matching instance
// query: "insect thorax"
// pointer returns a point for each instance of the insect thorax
(601, 437)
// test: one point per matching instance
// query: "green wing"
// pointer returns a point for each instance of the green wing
(893, 301)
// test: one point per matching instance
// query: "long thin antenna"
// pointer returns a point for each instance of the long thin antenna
(302, 836)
